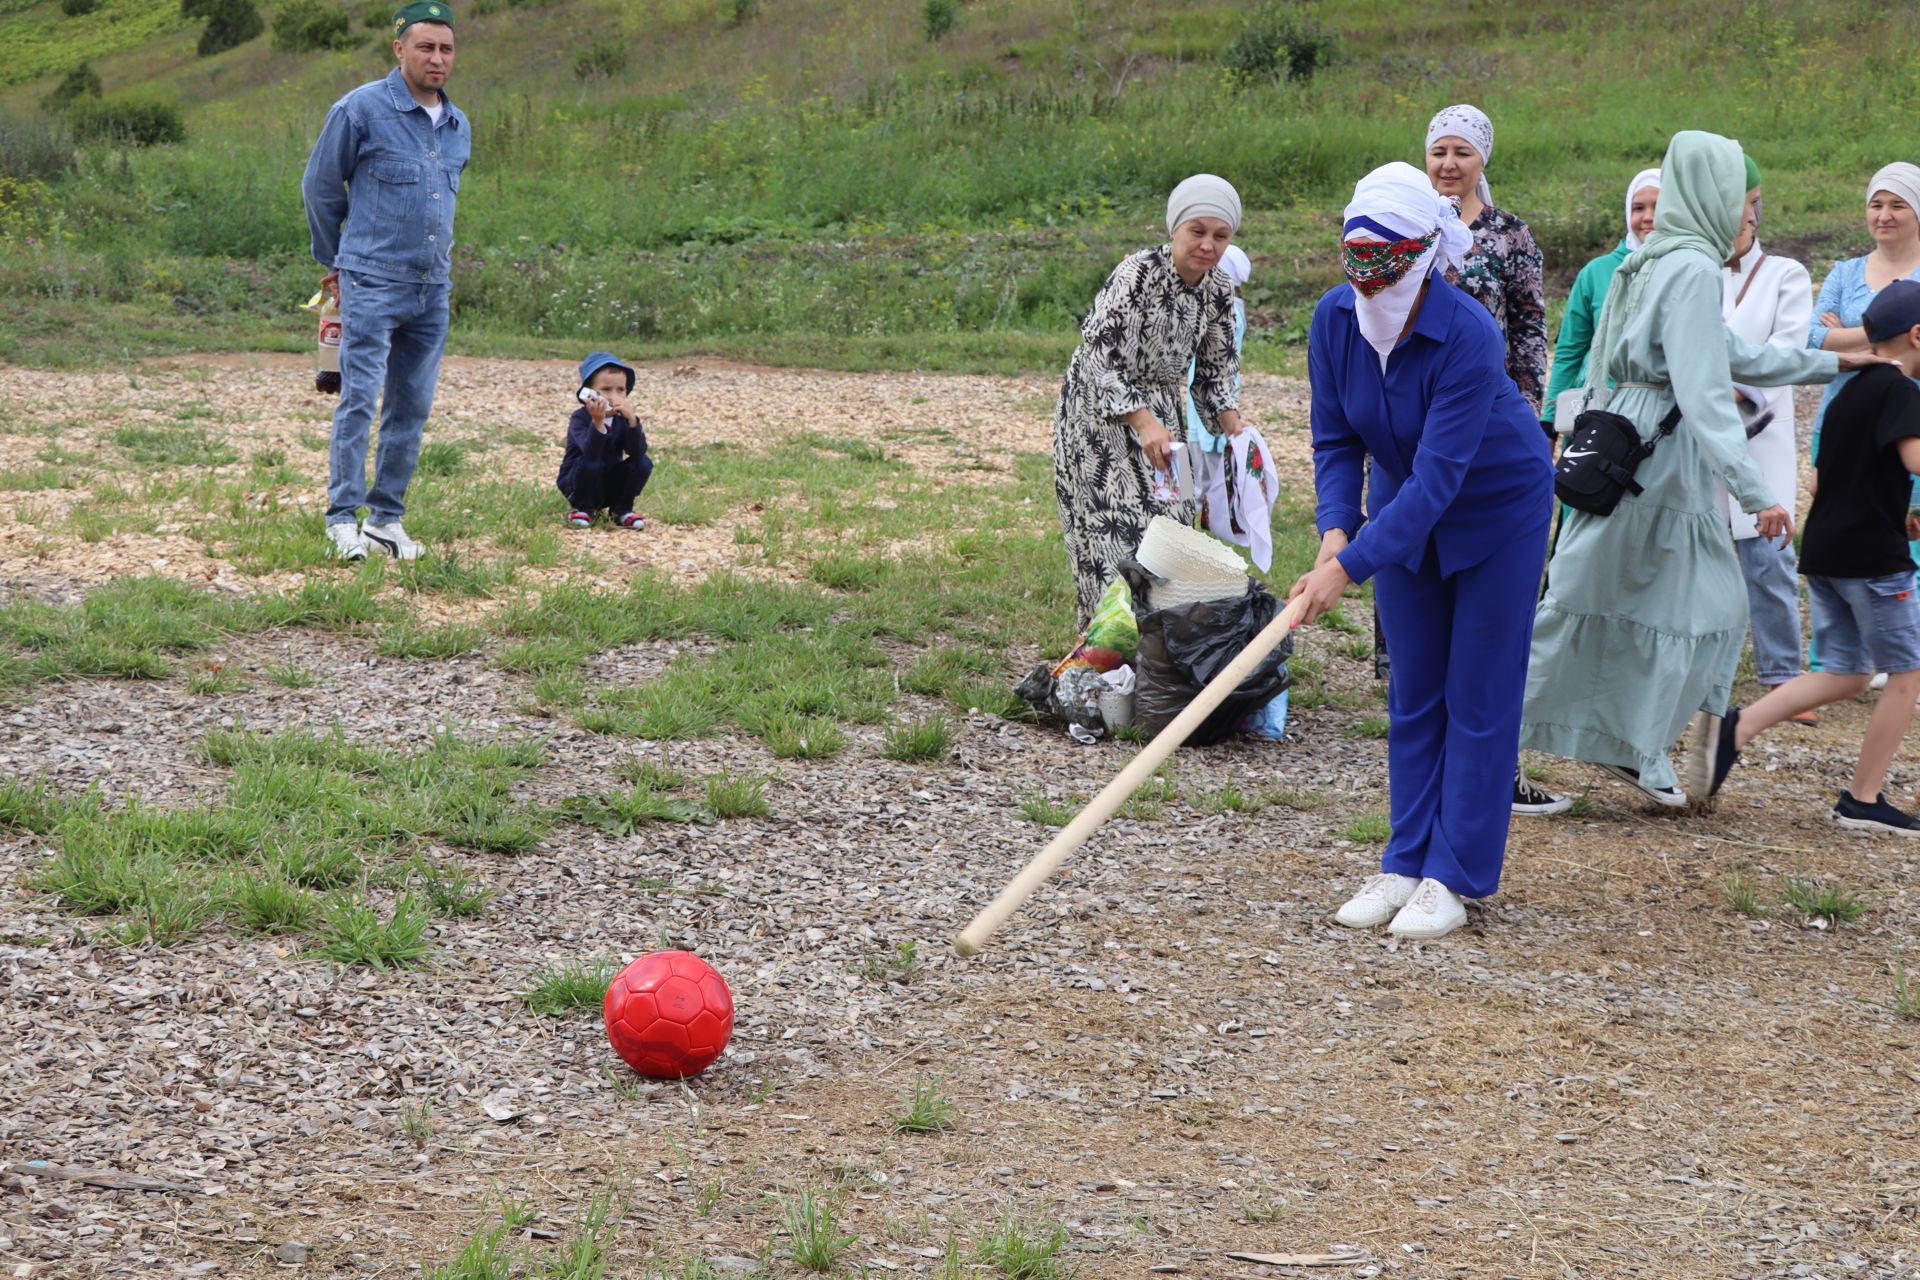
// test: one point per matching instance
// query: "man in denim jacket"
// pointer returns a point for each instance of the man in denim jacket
(380, 189)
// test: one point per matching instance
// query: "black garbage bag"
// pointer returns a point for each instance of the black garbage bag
(1184, 648)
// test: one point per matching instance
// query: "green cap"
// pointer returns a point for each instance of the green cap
(420, 11)
(1753, 170)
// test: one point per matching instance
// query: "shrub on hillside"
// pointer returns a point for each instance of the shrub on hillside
(1275, 42)
(738, 11)
(230, 23)
(605, 58)
(75, 8)
(81, 82)
(304, 26)
(135, 122)
(377, 15)
(34, 148)
(937, 18)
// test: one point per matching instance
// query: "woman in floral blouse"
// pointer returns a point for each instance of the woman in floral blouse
(1120, 405)
(1503, 271)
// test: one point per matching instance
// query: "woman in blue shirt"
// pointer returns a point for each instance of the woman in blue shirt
(1409, 371)
(1893, 220)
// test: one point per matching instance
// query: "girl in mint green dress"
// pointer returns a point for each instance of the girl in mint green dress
(1646, 610)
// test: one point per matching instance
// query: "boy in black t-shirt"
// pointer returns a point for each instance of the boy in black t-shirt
(1860, 577)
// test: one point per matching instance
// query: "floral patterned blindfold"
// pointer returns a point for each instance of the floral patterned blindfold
(1374, 265)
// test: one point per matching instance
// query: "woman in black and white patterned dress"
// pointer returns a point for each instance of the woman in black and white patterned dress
(1161, 310)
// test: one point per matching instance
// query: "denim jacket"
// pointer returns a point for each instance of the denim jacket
(381, 183)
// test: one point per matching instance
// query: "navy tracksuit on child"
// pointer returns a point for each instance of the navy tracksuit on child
(1454, 541)
(604, 469)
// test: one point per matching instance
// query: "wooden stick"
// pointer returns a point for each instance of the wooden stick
(1138, 770)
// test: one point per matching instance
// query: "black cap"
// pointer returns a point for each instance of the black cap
(1893, 311)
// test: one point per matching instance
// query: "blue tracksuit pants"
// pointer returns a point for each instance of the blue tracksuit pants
(1459, 646)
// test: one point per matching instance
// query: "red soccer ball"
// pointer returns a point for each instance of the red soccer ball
(669, 1014)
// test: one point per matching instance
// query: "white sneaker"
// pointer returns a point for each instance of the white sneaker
(1666, 797)
(1878, 682)
(1434, 912)
(1378, 899)
(393, 540)
(347, 542)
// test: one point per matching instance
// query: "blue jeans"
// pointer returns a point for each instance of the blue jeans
(392, 333)
(1773, 604)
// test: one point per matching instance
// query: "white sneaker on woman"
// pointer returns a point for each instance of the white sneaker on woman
(1379, 898)
(1434, 912)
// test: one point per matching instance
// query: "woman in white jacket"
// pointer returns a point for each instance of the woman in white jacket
(1768, 300)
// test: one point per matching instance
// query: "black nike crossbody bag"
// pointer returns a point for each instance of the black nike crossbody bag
(1597, 465)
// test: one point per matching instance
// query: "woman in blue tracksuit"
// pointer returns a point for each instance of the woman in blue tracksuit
(1408, 370)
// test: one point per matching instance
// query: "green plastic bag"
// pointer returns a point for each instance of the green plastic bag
(1114, 626)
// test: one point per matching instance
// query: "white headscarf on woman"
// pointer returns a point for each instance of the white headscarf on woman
(1641, 181)
(1392, 205)
(1204, 195)
(1469, 124)
(1902, 179)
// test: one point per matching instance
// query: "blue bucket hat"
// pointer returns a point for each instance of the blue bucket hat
(600, 360)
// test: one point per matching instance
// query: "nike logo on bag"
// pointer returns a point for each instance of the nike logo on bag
(1579, 453)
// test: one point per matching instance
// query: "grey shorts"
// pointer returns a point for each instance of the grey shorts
(1864, 625)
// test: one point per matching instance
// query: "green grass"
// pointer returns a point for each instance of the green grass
(919, 741)
(925, 1110)
(825, 186)
(1742, 894)
(1046, 811)
(1821, 900)
(354, 932)
(737, 796)
(1019, 1250)
(1906, 991)
(1371, 827)
(584, 1250)
(810, 1220)
(289, 676)
(454, 892)
(270, 903)
(304, 814)
(796, 737)
(433, 643)
(569, 988)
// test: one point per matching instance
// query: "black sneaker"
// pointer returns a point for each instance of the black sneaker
(1879, 817)
(1536, 802)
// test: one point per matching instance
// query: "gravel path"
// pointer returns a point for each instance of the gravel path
(1610, 1073)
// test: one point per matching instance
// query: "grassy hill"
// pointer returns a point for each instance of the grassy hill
(820, 182)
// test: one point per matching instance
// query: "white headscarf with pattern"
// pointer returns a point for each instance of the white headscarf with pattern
(1469, 124)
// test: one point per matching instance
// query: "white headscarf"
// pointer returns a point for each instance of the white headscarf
(1396, 202)
(1204, 196)
(1237, 265)
(1641, 181)
(1469, 124)
(1902, 179)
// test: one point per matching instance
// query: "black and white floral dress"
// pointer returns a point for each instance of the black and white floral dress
(1147, 325)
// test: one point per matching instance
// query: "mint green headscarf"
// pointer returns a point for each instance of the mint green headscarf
(1703, 196)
